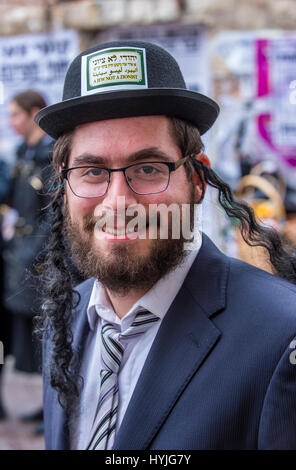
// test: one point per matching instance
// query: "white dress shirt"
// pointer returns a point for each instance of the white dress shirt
(157, 300)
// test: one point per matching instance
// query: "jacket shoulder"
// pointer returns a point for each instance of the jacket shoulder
(246, 270)
(265, 291)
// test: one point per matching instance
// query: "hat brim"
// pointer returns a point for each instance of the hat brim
(62, 117)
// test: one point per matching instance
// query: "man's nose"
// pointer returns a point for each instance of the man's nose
(118, 187)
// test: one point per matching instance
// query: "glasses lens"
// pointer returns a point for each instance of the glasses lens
(88, 182)
(147, 178)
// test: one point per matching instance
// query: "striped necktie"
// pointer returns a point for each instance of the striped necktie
(103, 431)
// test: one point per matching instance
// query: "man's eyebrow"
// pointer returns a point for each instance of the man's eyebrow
(88, 159)
(151, 152)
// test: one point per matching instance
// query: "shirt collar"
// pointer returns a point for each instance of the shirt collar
(157, 300)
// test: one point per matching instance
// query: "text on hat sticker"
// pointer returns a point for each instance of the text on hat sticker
(121, 68)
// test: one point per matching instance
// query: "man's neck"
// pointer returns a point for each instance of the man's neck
(122, 304)
(34, 137)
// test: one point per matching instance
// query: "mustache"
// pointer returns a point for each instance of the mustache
(90, 221)
(154, 216)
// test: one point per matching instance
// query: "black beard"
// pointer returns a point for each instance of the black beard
(123, 271)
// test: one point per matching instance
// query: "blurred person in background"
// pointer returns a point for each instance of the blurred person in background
(25, 231)
(5, 323)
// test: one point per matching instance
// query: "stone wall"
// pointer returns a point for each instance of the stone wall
(32, 16)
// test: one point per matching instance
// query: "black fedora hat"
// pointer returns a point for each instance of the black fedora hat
(122, 79)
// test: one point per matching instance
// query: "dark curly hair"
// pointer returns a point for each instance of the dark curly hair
(58, 282)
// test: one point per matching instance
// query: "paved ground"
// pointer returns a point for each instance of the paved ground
(22, 393)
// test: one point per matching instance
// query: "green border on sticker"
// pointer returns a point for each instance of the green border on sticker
(106, 51)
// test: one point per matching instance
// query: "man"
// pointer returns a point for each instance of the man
(166, 348)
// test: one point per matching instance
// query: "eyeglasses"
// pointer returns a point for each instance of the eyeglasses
(142, 178)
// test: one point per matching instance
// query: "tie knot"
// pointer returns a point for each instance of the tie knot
(143, 320)
(112, 348)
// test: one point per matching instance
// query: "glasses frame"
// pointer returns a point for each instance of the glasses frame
(172, 166)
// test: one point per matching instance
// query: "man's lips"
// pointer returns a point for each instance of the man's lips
(120, 230)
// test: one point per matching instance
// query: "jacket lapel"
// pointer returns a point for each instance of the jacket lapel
(184, 340)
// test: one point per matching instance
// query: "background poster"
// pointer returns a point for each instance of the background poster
(234, 64)
(253, 83)
(276, 117)
(35, 61)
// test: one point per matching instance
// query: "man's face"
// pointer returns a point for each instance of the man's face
(114, 144)
(21, 121)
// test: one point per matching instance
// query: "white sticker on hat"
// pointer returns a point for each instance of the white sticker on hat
(121, 68)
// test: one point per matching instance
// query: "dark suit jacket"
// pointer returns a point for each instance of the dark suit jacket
(219, 374)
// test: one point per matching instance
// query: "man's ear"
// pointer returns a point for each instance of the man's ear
(202, 157)
(34, 111)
